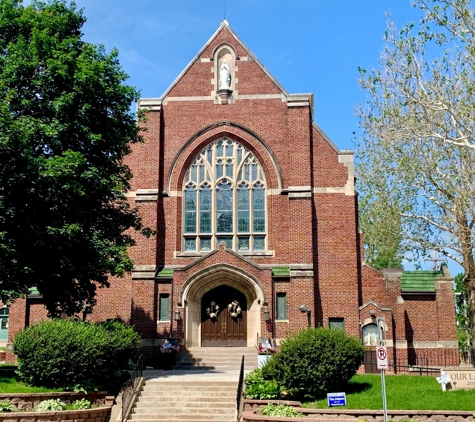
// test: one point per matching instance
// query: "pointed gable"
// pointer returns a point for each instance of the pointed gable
(199, 78)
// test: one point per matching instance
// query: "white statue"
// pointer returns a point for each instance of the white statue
(224, 76)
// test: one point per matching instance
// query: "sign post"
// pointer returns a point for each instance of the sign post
(382, 364)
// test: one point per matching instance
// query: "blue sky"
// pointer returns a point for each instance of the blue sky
(308, 45)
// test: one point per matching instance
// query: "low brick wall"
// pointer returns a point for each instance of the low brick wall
(28, 401)
(252, 410)
(99, 414)
(253, 405)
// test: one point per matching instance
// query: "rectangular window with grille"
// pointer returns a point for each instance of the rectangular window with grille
(337, 323)
(164, 307)
(281, 306)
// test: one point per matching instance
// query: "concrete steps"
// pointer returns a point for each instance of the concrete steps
(218, 358)
(186, 401)
(202, 386)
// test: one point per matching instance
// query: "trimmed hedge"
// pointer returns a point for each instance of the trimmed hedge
(76, 354)
(314, 362)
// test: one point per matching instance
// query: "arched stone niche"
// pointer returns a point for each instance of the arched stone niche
(224, 91)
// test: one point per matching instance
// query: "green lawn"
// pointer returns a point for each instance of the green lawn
(404, 392)
(10, 384)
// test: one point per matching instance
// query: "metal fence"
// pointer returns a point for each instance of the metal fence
(371, 367)
(130, 387)
(467, 357)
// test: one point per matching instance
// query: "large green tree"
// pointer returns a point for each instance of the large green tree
(65, 127)
(417, 149)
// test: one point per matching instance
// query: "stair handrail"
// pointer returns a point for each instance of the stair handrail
(240, 391)
(130, 389)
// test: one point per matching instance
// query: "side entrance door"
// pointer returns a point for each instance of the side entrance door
(224, 330)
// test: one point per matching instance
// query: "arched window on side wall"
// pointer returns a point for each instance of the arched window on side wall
(370, 335)
(224, 197)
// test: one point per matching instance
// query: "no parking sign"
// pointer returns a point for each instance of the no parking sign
(382, 357)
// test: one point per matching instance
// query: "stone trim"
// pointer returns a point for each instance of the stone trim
(294, 273)
(401, 344)
(371, 302)
(143, 272)
(347, 159)
(299, 192)
(146, 195)
(197, 98)
(438, 344)
(154, 104)
(330, 190)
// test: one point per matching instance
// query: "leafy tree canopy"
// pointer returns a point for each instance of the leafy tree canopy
(65, 127)
(417, 149)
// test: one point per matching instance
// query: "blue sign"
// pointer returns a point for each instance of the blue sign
(336, 399)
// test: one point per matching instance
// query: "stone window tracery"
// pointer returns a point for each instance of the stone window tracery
(224, 195)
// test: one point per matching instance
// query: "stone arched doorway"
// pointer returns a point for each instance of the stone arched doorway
(224, 283)
(224, 318)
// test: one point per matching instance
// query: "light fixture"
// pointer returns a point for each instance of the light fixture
(266, 314)
(177, 314)
(306, 310)
(372, 313)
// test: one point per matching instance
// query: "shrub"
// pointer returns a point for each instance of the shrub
(50, 405)
(259, 388)
(314, 362)
(6, 406)
(60, 353)
(81, 404)
(281, 410)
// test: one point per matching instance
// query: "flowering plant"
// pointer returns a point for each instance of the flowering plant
(266, 348)
(170, 348)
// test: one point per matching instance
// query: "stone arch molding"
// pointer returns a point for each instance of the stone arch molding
(241, 134)
(216, 275)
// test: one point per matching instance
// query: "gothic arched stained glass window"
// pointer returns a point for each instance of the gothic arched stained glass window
(224, 194)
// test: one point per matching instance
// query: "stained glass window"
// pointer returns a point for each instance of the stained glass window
(224, 208)
(190, 209)
(281, 306)
(205, 209)
(224, 194)
(206, 244)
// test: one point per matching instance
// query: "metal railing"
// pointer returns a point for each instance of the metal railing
(130, 387)
(408, 369)
(240, 391)
(467, 357)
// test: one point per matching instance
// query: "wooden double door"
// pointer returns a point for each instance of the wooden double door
(224, 330)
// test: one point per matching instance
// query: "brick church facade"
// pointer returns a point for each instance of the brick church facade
(257, 225)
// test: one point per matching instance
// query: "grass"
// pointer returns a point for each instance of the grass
(403, 392)
(9, 383)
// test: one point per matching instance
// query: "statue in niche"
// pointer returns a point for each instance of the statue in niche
(224, 76)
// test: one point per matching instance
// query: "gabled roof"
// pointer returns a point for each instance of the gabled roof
(224, 25)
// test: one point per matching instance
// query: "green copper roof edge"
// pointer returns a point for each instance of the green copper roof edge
(165, 272)
(281, 271)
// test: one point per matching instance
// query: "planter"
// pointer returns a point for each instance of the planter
(28, 401)
(99, 414)
(253, 408)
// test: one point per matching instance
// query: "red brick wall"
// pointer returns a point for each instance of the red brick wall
(320, 230)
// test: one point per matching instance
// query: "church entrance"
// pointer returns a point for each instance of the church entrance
(223, 318)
